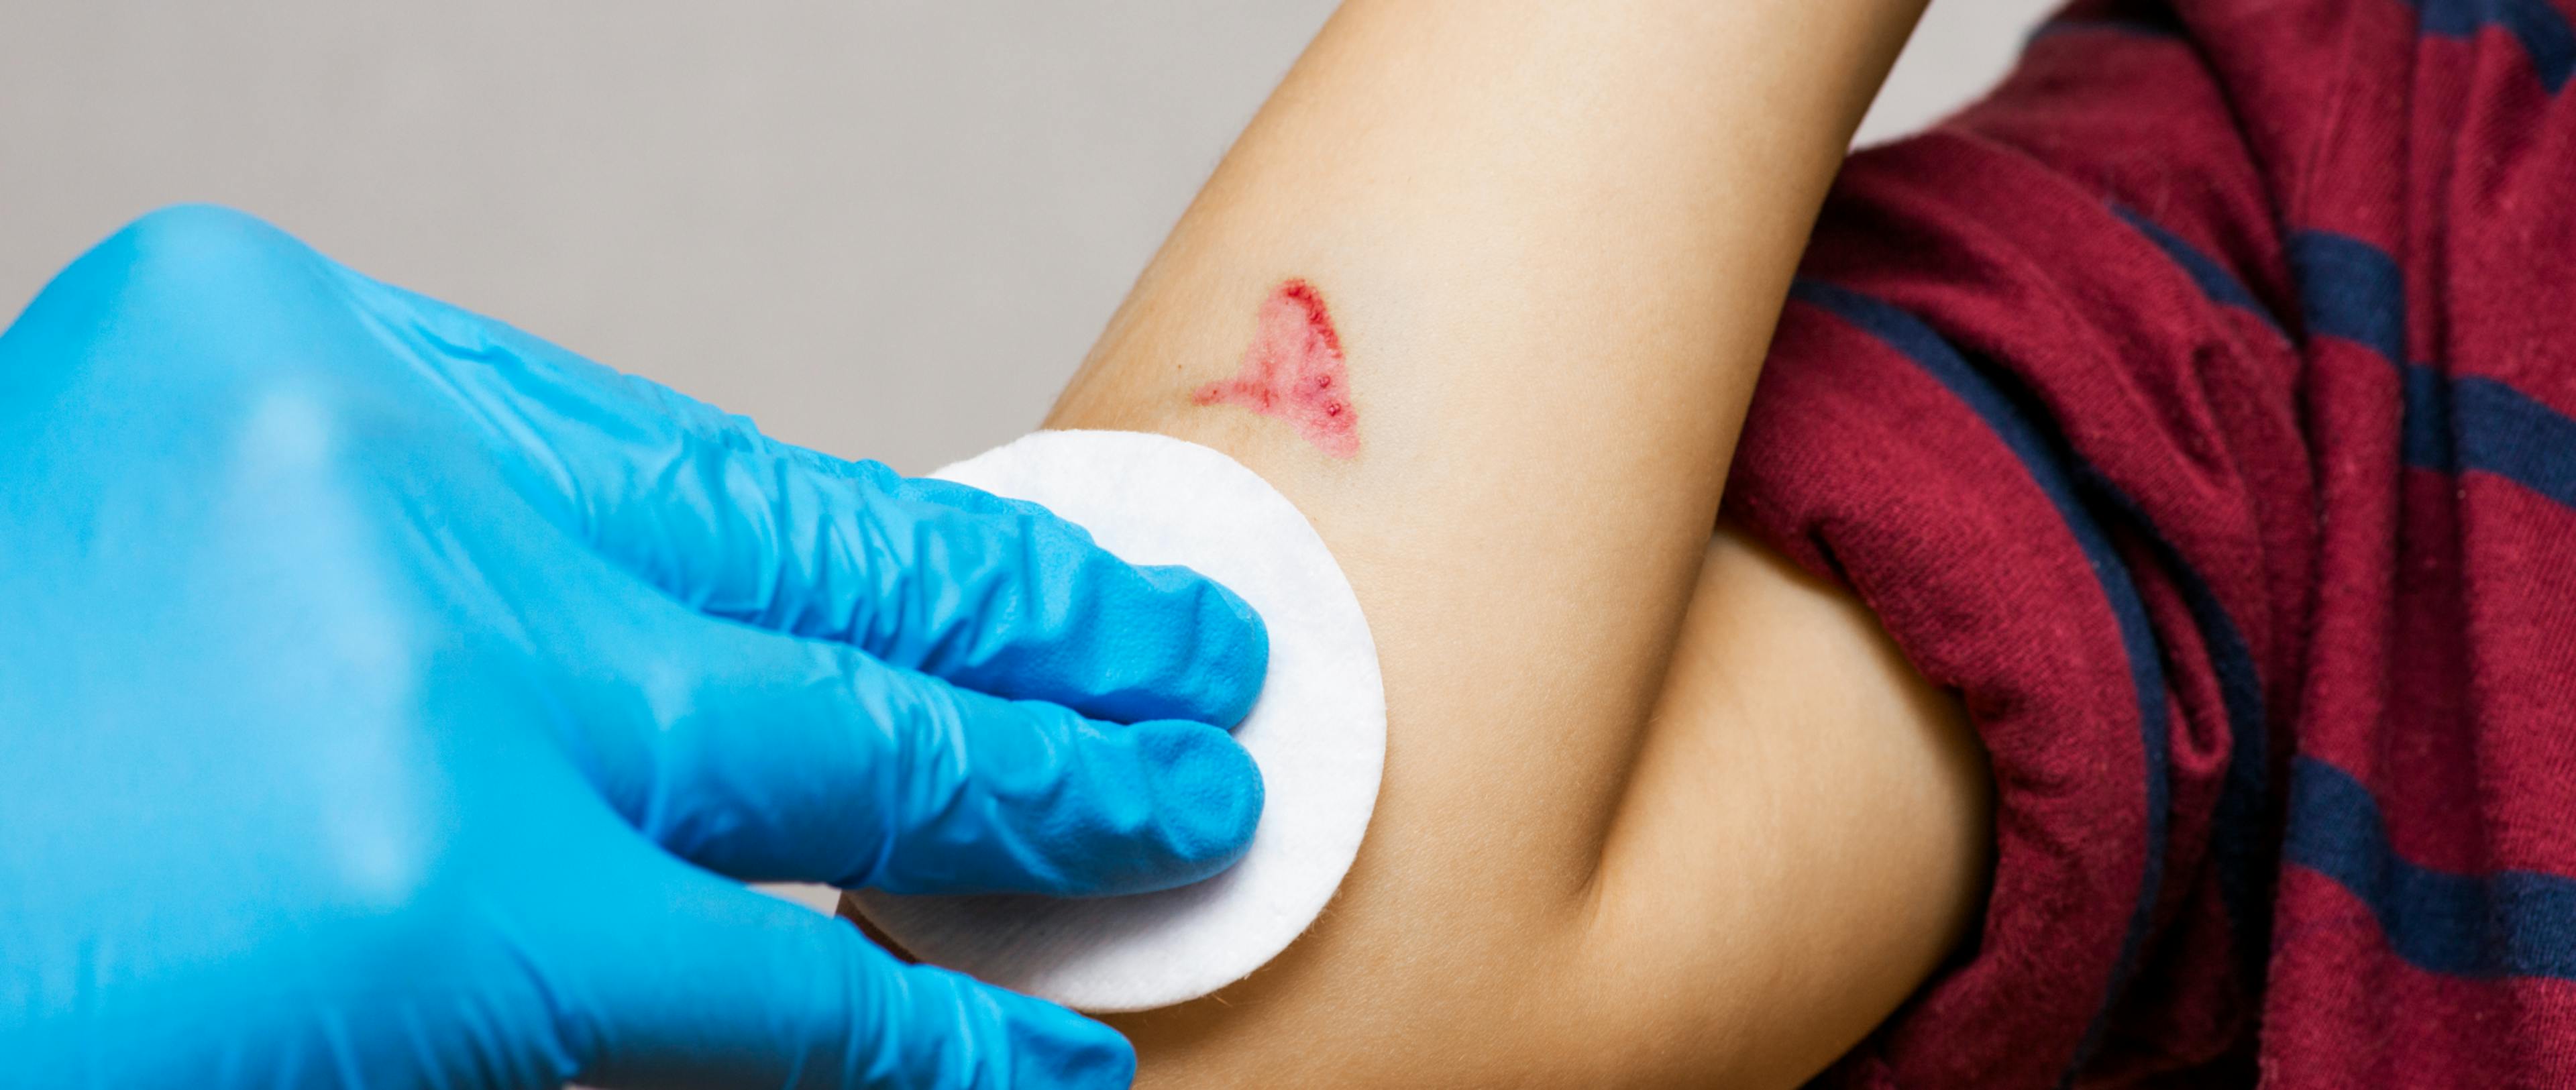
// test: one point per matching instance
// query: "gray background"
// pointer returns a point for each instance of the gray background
(886, 228)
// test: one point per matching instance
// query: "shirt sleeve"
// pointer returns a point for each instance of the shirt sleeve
(2032, 401)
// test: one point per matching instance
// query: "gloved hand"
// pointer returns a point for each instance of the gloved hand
(383, 693)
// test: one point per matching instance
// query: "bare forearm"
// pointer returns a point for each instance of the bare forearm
(1551, 240)
(1554, 237)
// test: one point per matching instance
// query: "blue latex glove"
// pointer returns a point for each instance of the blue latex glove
(383, 693)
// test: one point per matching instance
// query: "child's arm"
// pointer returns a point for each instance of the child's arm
(1553, 236)
(1551, 239)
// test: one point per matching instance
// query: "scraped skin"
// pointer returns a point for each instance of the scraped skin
(1656, 811)
(1294, 370)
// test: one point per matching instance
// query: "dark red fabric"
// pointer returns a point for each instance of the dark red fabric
(2197, 407)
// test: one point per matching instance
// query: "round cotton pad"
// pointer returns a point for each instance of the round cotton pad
(1318, 734)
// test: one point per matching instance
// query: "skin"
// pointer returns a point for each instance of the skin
(1658, 809)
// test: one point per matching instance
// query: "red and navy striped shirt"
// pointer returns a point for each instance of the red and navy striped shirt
(2202, 408)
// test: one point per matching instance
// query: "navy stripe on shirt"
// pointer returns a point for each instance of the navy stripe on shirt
(2509, 923)
(2543, 32)
(2213, 279)
(2512, 923)
(2353, 290)
(2475, 422)
(2043, 456)
(2350, 289)
(2238, 841)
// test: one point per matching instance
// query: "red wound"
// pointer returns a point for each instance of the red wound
(1293, 370)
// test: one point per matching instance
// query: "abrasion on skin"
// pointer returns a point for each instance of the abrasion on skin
(1293, 370)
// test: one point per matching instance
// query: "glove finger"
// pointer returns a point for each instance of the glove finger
(787, 759)
(693, 980)
(995, 595)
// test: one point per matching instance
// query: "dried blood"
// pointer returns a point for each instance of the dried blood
(1293, 370)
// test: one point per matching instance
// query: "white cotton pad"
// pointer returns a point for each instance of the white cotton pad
(1318, 734)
